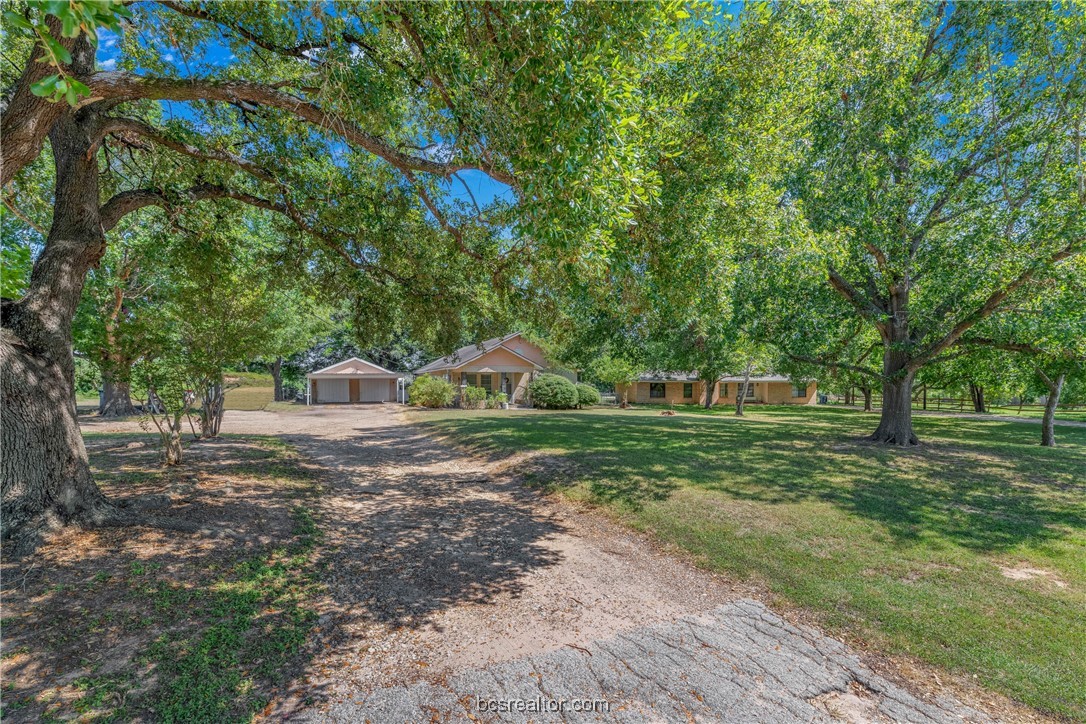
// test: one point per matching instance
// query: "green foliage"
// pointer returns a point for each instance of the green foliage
(613, 371)
(928, 213)
(473, 396)
(587, 395)
(497, 400)
(430, 391)
(16, 261)
(75, 17)
(87, 377)
(553, 392)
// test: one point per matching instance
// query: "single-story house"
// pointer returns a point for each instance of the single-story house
(353, 380)
(686, 388)
(502, 364)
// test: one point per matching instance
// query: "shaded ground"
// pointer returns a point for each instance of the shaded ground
(145, 623)
(442, 578)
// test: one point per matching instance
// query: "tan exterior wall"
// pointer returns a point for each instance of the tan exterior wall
(772, 393)
(526, 349)
(354, 389)
(780, 393)
(518, 381)
(673, 393)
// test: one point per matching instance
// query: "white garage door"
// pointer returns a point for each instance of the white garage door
(333, 391)
(375, 391)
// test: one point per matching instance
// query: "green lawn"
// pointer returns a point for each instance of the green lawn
(904, 549)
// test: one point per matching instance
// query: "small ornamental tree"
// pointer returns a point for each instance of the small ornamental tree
(430, 391)
(615, 371)
(169, 399)
(553, 392)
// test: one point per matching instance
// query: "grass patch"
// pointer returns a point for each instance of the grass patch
(968, 552)
(249, 398)
(255, 623)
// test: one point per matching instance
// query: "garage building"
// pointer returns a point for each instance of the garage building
(353, 380)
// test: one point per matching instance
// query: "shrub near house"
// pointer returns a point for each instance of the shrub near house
(553, 392)
(430, 391)
(587, 395)
(474, 397)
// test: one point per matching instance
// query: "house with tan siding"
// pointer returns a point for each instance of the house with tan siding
(685, 388)
(502, 364)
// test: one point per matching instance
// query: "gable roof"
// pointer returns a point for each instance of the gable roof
(468, 353)
(363, 367)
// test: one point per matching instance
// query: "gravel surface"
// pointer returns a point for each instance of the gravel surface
(448, 582)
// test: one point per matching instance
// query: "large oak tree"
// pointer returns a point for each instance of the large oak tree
(945, 175)
(342, 119)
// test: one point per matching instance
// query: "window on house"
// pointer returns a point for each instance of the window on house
(487, 382)
(723, 389)
(688, 390)
(657, 389)
(799, 391)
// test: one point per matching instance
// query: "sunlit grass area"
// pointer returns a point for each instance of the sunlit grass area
(968, 552)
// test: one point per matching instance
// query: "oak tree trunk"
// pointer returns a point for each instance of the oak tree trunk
(867, 398)
(709, 384)
(741, 394)
(976, 394)
(276, 369)
(1048, 422)
(46, 477)
(116, 397)
(896, 420)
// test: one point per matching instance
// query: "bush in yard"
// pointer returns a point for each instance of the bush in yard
(587, 395)
(474, 397)
(553, 392)
(428, 391)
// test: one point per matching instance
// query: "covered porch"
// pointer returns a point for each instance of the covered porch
(511, 379)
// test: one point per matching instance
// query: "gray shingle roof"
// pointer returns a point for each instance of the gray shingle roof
(464, 354)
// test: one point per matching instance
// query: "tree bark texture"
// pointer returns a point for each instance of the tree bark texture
(976, 394)
(46, 478)
(741, 393)
(867, 398)
(896, 419)
(211, 410)
(1048, 422)
(276, 369)
(116, 397)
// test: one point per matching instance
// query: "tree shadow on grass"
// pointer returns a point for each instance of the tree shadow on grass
(980, 485)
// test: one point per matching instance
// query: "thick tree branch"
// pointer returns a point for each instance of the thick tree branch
(835, 364)
(867, 309)
(991, 305)
(129, 86)
(129, 125)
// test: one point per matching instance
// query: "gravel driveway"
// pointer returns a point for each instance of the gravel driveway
(452, 591)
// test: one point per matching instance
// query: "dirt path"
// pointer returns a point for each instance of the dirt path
(448, 581)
